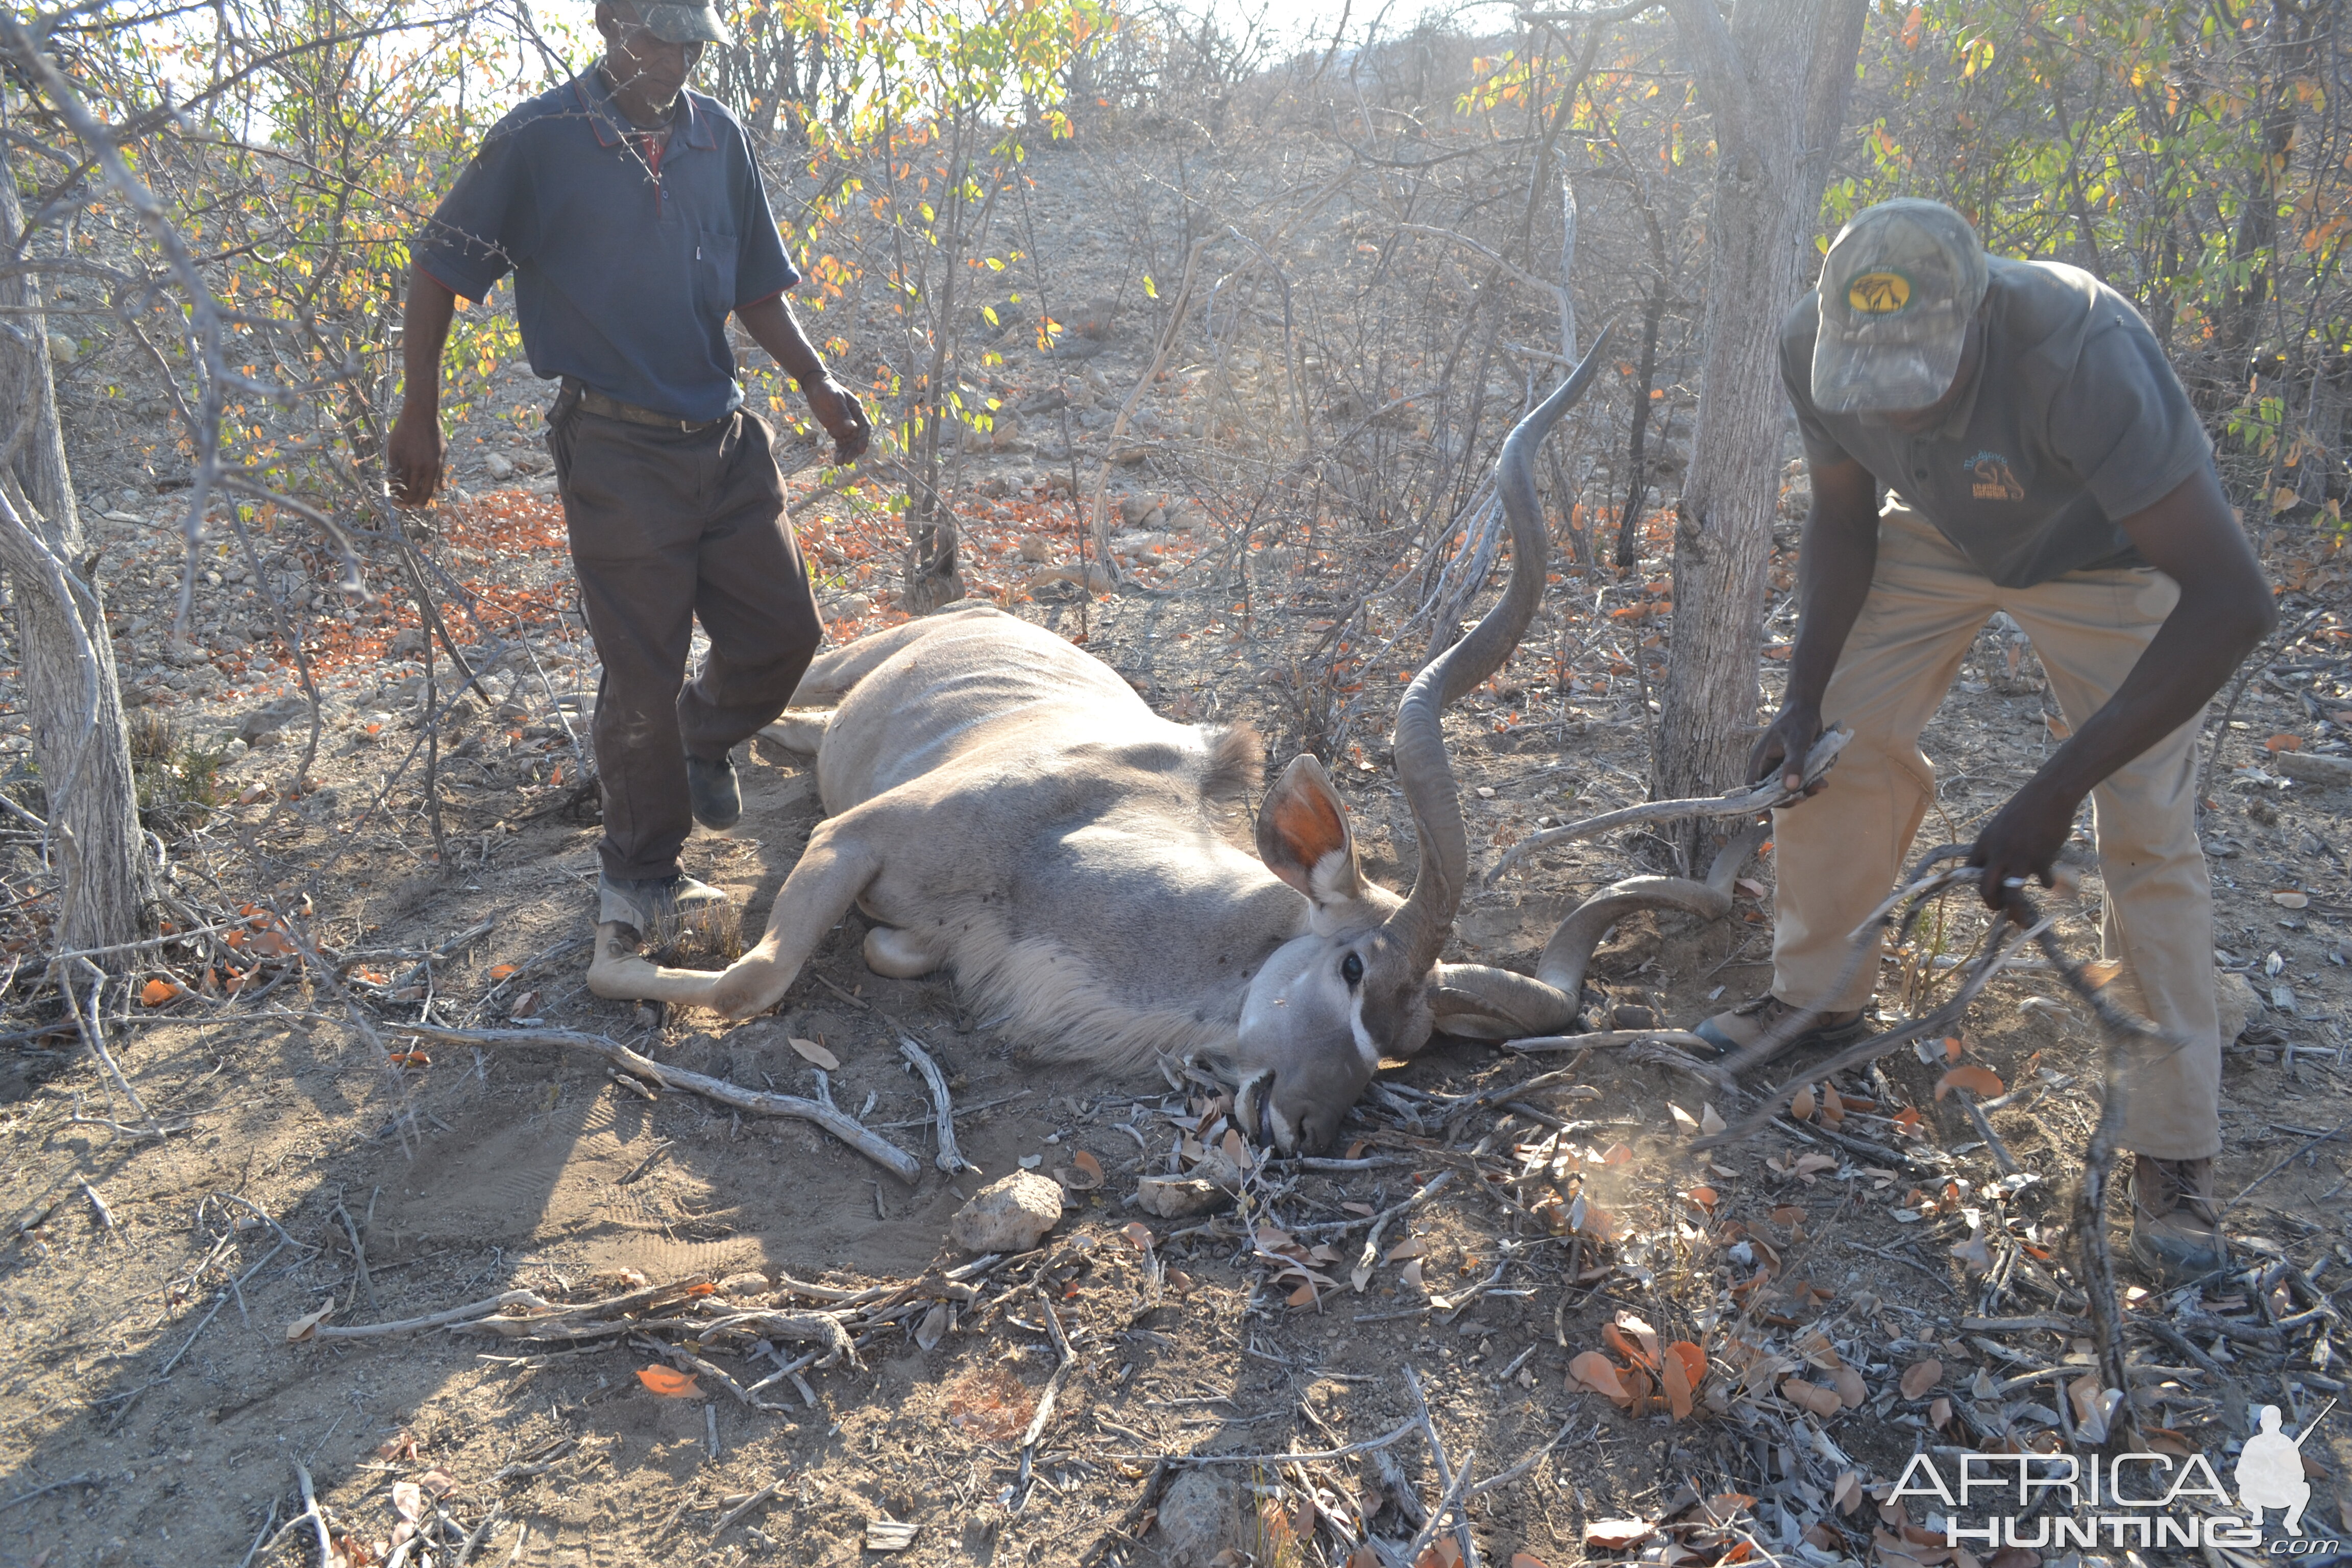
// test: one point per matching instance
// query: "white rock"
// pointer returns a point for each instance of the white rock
(498, 467)
(63, 349)
(1180, 1197)
(1008, 1216)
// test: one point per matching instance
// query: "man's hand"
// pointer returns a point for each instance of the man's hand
(2023, 841)
(413, 455)
(1785, 746)
(844, 417)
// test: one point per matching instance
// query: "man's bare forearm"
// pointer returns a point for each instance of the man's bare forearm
(424, 336)
(1835, 565)
(2225, 609)
(775, 328)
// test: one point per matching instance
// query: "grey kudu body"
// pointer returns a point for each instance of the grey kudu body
(1005, 806)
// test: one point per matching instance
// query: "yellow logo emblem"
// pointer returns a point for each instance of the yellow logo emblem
(1879, 293)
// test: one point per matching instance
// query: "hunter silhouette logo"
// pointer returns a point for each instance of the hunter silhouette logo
(1879, 293)
(2270, 1471)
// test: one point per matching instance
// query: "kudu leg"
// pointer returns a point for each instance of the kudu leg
(833, 871)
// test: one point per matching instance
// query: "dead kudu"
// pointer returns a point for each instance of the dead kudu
(1005, 806)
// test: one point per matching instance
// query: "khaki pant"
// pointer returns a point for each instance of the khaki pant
(666, 526)
(1838, 855)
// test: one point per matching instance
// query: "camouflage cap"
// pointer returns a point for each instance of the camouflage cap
(1900, 285)
(684, 24)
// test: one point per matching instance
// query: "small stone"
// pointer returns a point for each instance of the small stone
(1199, 1518)
(1180, 1197)
(1137, 510)
(499, 465)
(408, 643)
(63, 349)
(1095, 319)
(1008, 1216)
(262, 724)
(1033, 547)
(745, 1284)
(2239, 1004)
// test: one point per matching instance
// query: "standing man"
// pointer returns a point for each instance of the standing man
(2044, 461)
(633, 216)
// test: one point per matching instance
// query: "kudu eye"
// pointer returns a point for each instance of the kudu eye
(1351, 969)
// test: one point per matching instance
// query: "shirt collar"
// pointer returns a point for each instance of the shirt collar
(693, 128)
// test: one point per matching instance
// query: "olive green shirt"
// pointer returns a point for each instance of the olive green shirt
(2073, 421)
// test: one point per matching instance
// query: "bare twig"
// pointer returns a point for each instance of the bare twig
(949, 1159)
(871, 1144)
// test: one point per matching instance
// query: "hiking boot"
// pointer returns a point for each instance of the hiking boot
(718, 799)
(648, 903)
(2175, 1231)
(1733, 1032)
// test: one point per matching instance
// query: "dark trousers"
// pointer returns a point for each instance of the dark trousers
(666, 525)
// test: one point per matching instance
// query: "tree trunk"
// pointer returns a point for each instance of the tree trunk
(79, 742)
(1776, 80)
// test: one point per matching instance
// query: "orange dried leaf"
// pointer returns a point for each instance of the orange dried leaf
(504, 971)
(1139, 1234)
(1704, 1197)
(1598, 1374)
(1822, 1402)
(668, 1381)
(1921, 1376)
(1618, 1155)
(1850, 1387)
(1802, 1107)
(1089, 1164)
(1982, 1082)
(155, 993)
(2283, 743)
(1675, 1378)
(1624, 1346)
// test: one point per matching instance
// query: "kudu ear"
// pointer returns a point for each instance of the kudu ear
(1303, 834)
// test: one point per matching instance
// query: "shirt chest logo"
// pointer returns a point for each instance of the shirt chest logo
(1989, 478)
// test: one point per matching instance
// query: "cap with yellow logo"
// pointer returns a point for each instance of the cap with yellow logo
(1901, 282)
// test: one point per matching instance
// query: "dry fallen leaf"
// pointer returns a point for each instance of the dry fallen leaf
(1704, 1197)
(301, 1327)
(1675, 1378)
(933, 1328)
(1091, 1167)
(155, 993)
(1596, 1372)
(668, 1381)
(1648, 1336)
(1709, 1123)
(407, 1501)
(1618, 1155)
(1526, 1560)
(1802, 1107)
(1408, 1247)
(1617, 1534)
(2292, 900)
(1850, 1387)
(1982, 1082)
(1848, 1494)
(503, 971)
(1822, 1402)
(1939, 1413)
(1682, 1118)
(2282, 743)
(1921, 1376)
(437, 1481)
(811, 1051)
(1139, 1234)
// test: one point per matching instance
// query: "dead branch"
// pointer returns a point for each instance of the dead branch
(871, 1144)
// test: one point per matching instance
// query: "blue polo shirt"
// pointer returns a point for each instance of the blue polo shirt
(628, 255)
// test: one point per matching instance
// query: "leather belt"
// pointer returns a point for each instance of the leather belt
(596, 403)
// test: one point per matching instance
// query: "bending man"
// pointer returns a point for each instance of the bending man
(2042, 460)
